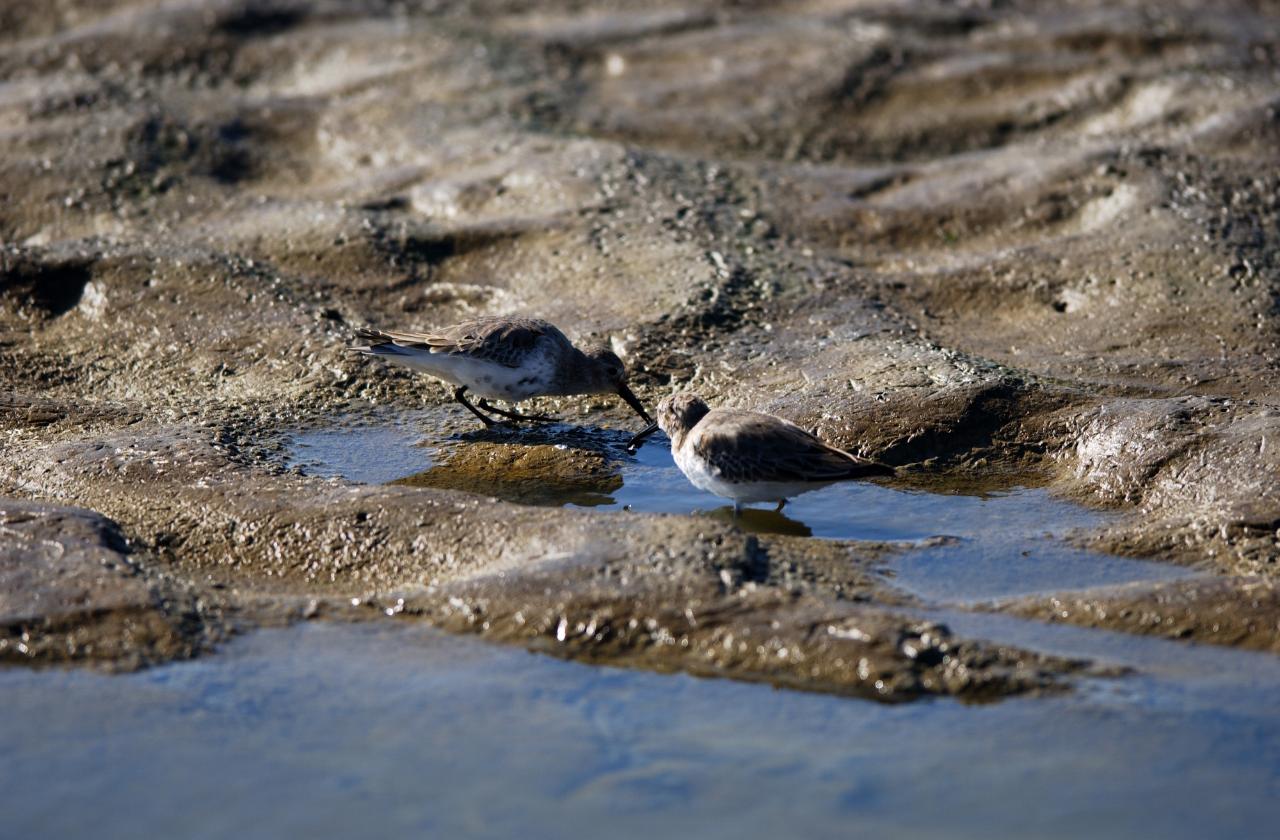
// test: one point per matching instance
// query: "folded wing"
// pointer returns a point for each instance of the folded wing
(503, 341)
(747, 446)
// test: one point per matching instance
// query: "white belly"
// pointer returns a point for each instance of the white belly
(707, 478)
(485, 379)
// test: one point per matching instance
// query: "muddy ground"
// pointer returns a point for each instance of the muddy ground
(993, 242)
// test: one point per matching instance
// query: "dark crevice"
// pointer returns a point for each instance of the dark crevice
(50, 290)
(259, 22)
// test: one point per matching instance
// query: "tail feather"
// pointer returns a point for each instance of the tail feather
(870, 469)
(379, 344)
(855, 466)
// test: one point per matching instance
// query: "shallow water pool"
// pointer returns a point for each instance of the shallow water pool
(952, 547)
(329, 731)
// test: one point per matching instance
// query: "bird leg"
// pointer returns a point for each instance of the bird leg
(515, 415)
(781, 504)
(459, 395)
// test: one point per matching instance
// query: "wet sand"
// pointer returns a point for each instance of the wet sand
(1019, 245)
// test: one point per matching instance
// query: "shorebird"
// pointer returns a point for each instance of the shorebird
(748, 456)
(508, 359)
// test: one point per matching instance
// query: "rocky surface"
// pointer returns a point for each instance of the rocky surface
(71, 590)
(1000, 242)
(729, 614)
(529, 473)
(1239, 612)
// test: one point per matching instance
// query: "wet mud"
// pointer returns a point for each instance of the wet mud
(994, 244)
(73, 592)
(528, 474)
(1233, 611)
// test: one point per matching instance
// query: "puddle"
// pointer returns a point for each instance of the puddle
(376, 453)
(336, 731)
(1014, 542)
(1008, 543)
(1001, 544)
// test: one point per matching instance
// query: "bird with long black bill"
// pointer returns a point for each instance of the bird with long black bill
(505, 358)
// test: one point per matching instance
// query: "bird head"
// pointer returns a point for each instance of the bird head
(610, 376)
(679, 413)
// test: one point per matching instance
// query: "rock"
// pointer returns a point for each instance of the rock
(537, 474)
(1201, 473)
(1239, 612)
(678, 612)
(69, 591)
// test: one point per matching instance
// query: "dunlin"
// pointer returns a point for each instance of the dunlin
(509, 359)
(751, 457)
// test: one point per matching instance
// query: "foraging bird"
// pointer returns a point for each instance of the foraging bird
(751, 457)
(508, 359)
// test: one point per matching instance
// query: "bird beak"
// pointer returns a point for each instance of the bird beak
(625, 393)
(640, 436)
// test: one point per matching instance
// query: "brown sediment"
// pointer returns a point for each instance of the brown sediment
(528, 474)
(1241, 612)
(71, 591)
(1031, 243)
(712, 619)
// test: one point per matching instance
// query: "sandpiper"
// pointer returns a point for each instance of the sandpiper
(751, 457)
(508, 359)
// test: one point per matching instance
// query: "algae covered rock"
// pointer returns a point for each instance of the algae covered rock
(542, 474)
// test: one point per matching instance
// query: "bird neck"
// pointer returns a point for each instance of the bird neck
(685, 422)
(581, 374)
(679, 433)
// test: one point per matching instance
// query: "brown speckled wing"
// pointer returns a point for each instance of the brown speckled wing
(747, 446)
(504, 341)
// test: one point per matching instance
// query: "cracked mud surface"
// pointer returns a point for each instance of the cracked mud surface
(1023, 244)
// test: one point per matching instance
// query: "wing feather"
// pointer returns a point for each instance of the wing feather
(748, 446)
(504, 341)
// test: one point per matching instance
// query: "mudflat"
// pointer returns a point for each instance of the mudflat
(997, 245)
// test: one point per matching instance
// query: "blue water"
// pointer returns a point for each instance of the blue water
(1000, 544)
(372, 453)
(334, 731)
(327, 731)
